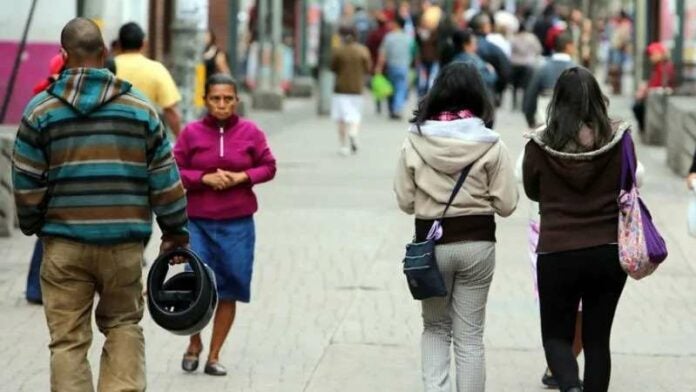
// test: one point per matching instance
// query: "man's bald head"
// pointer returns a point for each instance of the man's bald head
(82, 40)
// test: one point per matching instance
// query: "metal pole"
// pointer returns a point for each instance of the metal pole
(678, 53)
(233, 36)
(304, 69)
(263, 76)
(188, 40)
(17, 62)
(276, 43)
(326, 77)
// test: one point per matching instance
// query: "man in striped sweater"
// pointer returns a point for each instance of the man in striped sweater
(91, 162)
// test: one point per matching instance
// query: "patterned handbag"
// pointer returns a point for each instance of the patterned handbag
(641, 247)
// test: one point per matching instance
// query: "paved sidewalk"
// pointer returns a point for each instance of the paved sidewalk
(330, 310)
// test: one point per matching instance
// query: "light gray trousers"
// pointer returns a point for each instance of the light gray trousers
(467, 268)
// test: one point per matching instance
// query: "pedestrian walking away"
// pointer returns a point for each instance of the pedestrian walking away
(351, 63)
(149, 76)
(526, 51)
(90, 165)
(466, 43)
(33, 288)
(536, 99)
(395, 59)
(544, 80)
(492, 54)
(221, 158)
(448, 134)
(577, 157)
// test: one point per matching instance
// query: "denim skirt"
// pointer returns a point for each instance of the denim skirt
(227, 247)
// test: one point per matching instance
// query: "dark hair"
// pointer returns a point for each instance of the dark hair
(549, 10)
(562, 40)
(131, 36)
(347, 31)
(82, 39)
(400, 21)
(577, 100)
(479, 20)
(458, 86)
(220, 78)
(461, 38)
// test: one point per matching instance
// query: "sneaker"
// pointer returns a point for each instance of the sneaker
(548, 380)
(345, 151)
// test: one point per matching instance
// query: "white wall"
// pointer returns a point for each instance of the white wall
(49, 18)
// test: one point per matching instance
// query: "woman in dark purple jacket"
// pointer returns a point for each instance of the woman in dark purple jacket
(221, 157)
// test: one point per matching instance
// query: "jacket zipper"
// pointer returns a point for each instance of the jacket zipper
(222, 145)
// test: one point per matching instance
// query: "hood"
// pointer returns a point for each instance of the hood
(449, 146)
(88, 89)
(580, 169)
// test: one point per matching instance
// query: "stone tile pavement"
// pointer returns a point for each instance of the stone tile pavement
(330, 310)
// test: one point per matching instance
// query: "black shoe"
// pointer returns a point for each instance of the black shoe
(395, 116)
(35, 301)
(353, 145)
(190, 361)
(548, 380)
(574, 389)
(215, 369)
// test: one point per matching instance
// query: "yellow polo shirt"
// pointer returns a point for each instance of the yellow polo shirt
(148, 76)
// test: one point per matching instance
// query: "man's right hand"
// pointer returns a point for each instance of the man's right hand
(168, 246)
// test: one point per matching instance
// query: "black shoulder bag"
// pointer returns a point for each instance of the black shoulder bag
(422, 274)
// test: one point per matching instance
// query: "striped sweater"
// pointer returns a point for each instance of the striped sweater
(91, 163)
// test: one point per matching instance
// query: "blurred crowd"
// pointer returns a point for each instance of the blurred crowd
(507, 47)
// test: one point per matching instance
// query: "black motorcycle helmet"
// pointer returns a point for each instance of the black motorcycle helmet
(184, 303)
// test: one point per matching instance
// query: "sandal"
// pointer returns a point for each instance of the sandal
(189, 362)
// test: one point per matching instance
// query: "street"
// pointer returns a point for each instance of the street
(330, 310)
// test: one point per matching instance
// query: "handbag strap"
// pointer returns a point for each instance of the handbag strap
(628, 163)
(457, 187)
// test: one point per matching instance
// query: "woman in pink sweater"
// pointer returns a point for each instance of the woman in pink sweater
(221, 157)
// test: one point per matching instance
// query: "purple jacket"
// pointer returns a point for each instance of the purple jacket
(238, 145)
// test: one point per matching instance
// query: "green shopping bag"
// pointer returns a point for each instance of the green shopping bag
(381, 87)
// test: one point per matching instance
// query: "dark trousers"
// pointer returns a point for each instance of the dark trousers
(639, 112)
(595, 276)
(33, 292)
(521, 75)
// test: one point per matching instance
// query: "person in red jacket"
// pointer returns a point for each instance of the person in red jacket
(220, 158)
(661, 77)
(55, 67)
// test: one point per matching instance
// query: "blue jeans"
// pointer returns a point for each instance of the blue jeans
(427, 72)
(33, 279)
(398, 76)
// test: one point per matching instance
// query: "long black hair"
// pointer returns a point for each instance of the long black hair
(458, 86)
(577, 101)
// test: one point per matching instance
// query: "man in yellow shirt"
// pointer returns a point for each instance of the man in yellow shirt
(148, 76)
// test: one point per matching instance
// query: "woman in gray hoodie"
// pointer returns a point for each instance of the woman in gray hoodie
(449, 133)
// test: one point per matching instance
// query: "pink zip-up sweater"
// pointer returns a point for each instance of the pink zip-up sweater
(236, 145)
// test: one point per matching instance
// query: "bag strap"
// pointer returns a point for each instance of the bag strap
(628, 163)
(457, 187)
